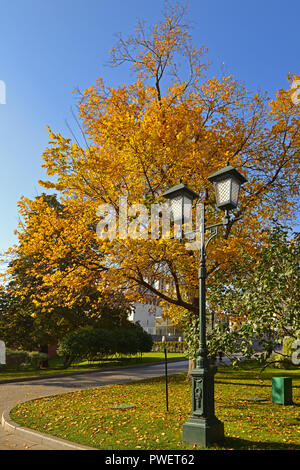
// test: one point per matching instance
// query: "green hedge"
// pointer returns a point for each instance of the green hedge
(25, 359)
(92, 344)
(171, 346)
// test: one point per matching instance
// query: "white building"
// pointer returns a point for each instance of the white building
(145, 315)
(149, 316)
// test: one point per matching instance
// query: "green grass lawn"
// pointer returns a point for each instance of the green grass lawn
(91, 418)
(56, 365)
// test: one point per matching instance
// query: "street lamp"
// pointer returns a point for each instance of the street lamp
(203, 427)
(227, 183)
(181, 198)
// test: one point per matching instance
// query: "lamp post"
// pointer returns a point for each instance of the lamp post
(203, 428)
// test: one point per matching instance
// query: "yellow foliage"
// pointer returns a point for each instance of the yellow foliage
(143, 138)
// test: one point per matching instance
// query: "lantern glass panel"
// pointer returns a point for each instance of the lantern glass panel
(187, 211)
(176, 209)
(223, 190)
(235, 191)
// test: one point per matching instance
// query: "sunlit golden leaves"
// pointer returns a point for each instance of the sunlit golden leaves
(142, 138)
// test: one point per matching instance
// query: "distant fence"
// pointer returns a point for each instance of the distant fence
(167, 338)
(171, 346)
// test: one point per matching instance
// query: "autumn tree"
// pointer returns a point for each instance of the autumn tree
(174, 121)
(28, 322)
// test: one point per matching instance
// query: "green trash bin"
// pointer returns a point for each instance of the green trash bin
(282, 390)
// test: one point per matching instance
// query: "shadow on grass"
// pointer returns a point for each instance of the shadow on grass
(247, 384)
(244, 384)
(244, 444)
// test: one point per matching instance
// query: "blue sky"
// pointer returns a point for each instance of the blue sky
(49, 48)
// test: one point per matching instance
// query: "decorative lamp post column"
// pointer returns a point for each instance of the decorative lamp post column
(204, 428)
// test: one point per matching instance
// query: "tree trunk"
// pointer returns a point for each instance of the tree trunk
(67, 362)
(44, 349)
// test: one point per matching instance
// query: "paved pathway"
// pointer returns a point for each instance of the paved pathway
(13, 393)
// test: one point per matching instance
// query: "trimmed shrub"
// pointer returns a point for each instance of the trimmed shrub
(16, 356)
(86, 343)
(94, 344)
(25, 359)
(144, 340)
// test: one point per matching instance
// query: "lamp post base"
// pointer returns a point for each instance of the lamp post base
(202, 432)
(203, 428)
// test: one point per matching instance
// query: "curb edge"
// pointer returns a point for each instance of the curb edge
(38, 437)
